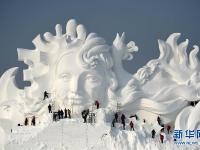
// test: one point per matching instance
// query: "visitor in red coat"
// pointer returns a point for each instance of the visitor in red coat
(97, 104)
(168, 128)
(161, 137)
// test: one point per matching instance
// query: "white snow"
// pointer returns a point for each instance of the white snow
(73, 134)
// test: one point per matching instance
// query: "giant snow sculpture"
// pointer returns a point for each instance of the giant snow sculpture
(78, 68)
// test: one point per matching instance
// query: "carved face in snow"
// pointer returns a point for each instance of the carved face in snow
(78, 86)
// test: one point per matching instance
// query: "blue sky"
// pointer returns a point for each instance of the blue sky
(144, 21)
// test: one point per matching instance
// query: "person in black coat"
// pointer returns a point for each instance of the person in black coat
(159, 120)
(46, 95)
(113, 123)
(65, 110)
(85, 114)
(116, 117)
(49, 108)
(33, 121)
(69, 113)
(153, 133)
(26, 122)
(123, 120)
(61, 114)
(54, 116)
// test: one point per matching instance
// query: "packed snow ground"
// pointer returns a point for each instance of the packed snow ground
(73, 134)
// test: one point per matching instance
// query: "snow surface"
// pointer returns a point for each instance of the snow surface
(73, 134)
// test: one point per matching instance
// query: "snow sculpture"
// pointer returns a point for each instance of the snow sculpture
(167, 84)
(75, 67)
(78, 69)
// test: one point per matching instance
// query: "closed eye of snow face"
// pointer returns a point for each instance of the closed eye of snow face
(92, 77)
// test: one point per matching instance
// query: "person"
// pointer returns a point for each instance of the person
(49, 108)
(97, 104)
(26, 122)
(46, 95)
(144, 120)
(123, 120)
(85, 114)
(136, 117)
(192, 103)
(161, 137)
(69, 113)
(168, 128)
(113, 123)
(159, 120)
(61, 114)
(153, 133)
(33, 121)
(54, 116)
(65, 110)
(116, 117)
(131, 125)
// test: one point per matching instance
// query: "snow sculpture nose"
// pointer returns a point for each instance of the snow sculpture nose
(75, 85)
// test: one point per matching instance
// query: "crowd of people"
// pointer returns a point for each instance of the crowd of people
(60, 114)
(26, 122)
(193, 103)
(131, 125)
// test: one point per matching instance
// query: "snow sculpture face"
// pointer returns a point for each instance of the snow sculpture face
(78, 86)
(76, 68)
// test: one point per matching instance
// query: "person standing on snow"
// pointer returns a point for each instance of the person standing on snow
(65, 110)
(33, 121)
(61, 114)
(113, 122)
(153, 133)
(97, 104)
(159, 120)
(54, 116)
(69, 113)
(123, 120)
(85, 114)
(168, 128)
(131, 125)
(49, 108)
(26, 122)
(136, 117)
(116, 117)
(161, 137)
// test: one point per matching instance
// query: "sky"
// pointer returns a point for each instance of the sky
(143, 21)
